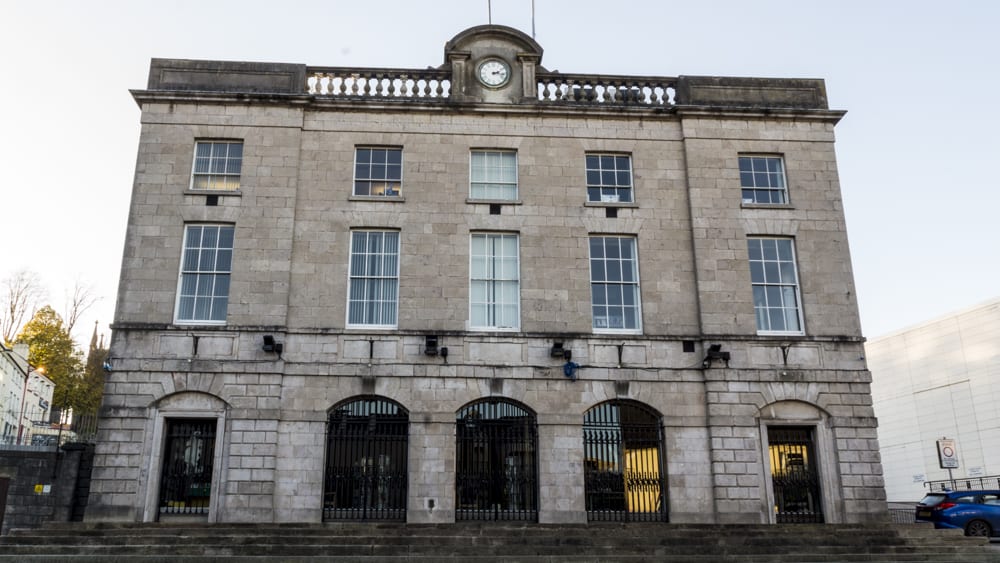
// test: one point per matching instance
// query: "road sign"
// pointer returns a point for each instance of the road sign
(947, 454)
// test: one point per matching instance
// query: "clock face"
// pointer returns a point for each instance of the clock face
(494, 73)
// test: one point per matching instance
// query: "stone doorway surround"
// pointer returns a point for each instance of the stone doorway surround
(801, 414)
(186, 404)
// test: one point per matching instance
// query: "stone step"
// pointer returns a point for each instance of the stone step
(571, 558)
(664, 533)
(486, 543)
(473, 528)
(652, 539)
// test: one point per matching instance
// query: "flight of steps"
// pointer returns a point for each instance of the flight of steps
(536, 543)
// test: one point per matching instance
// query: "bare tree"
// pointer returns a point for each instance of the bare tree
(22, 291)
(82, 298)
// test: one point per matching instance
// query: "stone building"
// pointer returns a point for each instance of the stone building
(939, 379)
(485, 291)
(14, 371)
(25, 399)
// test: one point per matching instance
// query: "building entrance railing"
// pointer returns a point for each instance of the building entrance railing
(794, 475)
(496, 475)
(189, 453)
(623, 463)
(366, 461)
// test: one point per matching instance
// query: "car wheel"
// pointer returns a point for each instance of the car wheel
(978, 528)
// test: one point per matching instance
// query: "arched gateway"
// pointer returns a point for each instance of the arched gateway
(496, 473)
(623, 463)
(366, 461)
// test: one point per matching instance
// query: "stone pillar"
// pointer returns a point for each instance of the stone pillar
(459, 75)
(560, 470)
(298, 479)
(689, 490)
(529, 63)
(432, 469)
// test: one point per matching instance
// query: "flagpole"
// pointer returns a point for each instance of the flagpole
(532, 19)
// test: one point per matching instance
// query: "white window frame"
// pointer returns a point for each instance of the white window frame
(228, 174)
(494, 281)
(199, 273)
(762, 277)
(386, 288)
(601, 172)
(386, 180)
(767, 178)
(620, 282)
(489, 182)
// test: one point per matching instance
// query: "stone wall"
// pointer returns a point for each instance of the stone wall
(42, 485)
(293, 217)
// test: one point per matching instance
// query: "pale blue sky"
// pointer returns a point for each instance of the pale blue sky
(916, 151)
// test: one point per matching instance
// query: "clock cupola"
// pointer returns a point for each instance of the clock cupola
(493, 64)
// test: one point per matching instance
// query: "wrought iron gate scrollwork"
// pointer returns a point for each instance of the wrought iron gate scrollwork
(366, 461)
(623, 463)
(794, 475)
(496, 475)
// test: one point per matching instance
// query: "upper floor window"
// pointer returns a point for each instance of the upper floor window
(614, 284)
(775, 281)
(373, 297)
(493, 175)
(206, 264)
(494, 293)
(762, 179)
(609, 177)
(378, 171)
(217, 165)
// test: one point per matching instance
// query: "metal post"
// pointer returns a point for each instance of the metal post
(24, 392)
(55, 466)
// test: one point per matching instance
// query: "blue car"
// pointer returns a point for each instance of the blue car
(976, 512)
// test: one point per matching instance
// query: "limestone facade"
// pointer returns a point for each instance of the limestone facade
(293, 217)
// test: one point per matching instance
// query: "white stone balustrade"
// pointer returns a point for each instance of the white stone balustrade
(434, 84)
(606, 90)
(378, 83)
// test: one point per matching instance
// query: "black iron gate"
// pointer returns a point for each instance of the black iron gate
(496, 462)
(186, 481)
(366, 461)
(794, 477)
(623, 463)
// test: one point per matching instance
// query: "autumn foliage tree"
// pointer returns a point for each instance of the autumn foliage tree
(51, 348)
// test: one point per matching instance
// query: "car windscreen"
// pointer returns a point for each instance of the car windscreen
(932, 500)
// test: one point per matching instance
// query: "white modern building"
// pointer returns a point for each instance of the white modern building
(939, 379)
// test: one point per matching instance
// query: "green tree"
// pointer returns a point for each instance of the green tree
(51, 348)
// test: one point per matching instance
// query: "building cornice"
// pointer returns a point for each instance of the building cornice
(313, 103)
(448, 88)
